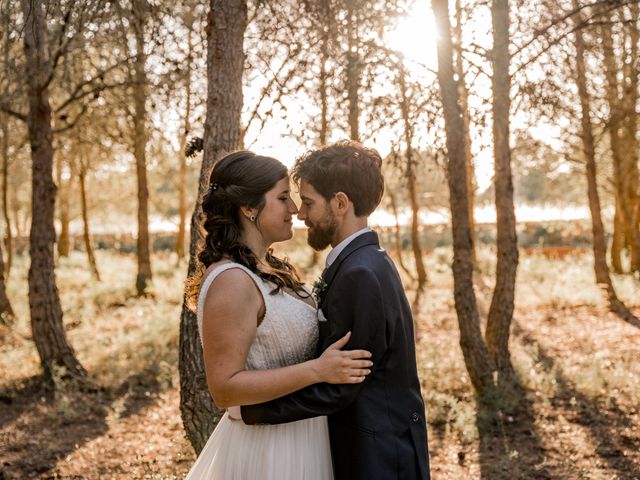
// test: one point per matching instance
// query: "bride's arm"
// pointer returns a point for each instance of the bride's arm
(231, 309)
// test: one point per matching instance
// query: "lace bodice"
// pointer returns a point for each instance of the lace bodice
(288, 333)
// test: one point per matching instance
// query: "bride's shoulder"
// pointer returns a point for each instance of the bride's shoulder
(234, 276)
(215, 265)
(230, 287)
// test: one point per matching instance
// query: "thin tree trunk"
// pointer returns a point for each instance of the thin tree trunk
(353, 76)
(411, 182)
(629, 138)
(63, 210)
(44, 302)
(477, 360)
(5, 194)
(464, 106)
(225, 61)
(182, 179)
(397, 236)
(599, 244)
(617, 242)
(7, 316)
(324, 86)
(143, 277)
(623, 162)
(502, 302)
(324, 114)
(91, 258)
(4, 120)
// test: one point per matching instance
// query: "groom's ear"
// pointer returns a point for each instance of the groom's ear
(342, 202)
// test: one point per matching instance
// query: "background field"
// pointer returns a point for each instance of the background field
(575, 417)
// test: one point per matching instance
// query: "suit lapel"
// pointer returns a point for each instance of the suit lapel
(369, 238)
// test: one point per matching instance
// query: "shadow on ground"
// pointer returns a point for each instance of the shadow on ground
(39, 428)
(605, 424)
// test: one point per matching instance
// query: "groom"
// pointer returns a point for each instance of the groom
(377, 428)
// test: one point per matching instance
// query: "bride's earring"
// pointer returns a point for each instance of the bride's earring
(252, 218)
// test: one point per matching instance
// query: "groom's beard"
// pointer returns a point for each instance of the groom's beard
(320, 234)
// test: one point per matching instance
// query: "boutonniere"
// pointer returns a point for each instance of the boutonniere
(319, 287)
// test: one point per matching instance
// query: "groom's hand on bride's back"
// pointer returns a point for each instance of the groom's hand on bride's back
(342, 366)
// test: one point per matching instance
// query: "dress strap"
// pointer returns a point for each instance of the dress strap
(213, 274)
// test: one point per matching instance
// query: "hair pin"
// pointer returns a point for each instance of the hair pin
(214, 187)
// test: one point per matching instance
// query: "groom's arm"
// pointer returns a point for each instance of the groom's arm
(357, 306)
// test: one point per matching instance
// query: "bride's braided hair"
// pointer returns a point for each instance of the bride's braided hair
(240, 179)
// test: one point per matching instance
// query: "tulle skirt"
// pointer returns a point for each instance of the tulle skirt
(290, 451)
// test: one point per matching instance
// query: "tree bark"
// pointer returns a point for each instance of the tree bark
(91, 258)
(182, 178)
(7, 316)
(411, 181)
(588, 145)
(4, 120)
(477, 360)
(227, 22)
(143, 277)
(44, 302)
(63, 211)
(5, 195)
(629, 137)
(624, 162)
(502, 302)
(464, 106)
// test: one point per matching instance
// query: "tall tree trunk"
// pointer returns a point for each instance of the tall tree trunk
(225, 61)
(464, 106)
(502, 303)
(182, 178)
(44, 302)
(629, 137)
(411, 181)
(91, 258)
(4, 120)
(63, 210)
(624, 164)
(477, 360)
(353, 75)
(588, 145)
(143, 277)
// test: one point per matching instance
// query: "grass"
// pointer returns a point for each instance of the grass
(112, 331)
(579, 379)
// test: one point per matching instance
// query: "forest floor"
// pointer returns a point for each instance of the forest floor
(573, 415)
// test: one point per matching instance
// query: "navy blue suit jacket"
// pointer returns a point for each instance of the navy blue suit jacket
(377, 428)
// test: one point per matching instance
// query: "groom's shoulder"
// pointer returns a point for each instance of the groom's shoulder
(370, 257)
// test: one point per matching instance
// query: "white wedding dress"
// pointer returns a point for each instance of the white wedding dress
(298, 450)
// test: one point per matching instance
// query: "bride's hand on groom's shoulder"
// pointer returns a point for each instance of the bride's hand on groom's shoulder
(342, 366)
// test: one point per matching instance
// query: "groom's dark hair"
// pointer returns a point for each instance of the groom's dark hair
(346, 167)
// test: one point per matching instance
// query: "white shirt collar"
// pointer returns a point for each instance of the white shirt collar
(337, 250)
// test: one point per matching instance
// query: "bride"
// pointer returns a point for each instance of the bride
(258, 328)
